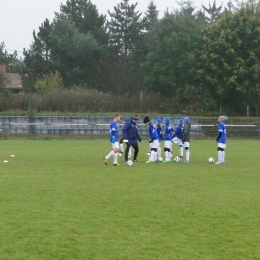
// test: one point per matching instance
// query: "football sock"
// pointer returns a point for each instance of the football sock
(223, 156)
(121, 146)
(159, 151)
(169, 156)
(166, 156)
(187, 155)
(155, 156)
(181, 151)
(115, 158)
(130, 152)
(219, 156)
(109, 155)
(152, 156)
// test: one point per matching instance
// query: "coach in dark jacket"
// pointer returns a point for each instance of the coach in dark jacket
(130, 136)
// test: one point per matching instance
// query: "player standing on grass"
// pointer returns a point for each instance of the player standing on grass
(167, 140)
(113, 136)
(177, 136)
(221, 139)
(130, 137)
(154, 140)
(160, 135)
(121, 146)
(186, 138)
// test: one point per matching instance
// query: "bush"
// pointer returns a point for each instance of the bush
(50, 82)
(85, 100)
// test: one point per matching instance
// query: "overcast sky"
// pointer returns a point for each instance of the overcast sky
(18, 18)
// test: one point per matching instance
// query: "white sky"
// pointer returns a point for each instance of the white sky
(18, 18)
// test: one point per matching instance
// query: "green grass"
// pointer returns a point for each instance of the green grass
(59, 201)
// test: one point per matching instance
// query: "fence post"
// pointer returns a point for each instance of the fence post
(91, 132)
(4, 128)
(47, 132)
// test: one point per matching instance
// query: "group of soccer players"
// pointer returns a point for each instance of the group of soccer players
(179, 136)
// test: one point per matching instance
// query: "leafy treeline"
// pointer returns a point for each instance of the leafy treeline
(206, 59)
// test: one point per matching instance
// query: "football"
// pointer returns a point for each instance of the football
(159, 159)
(177, 159)
(211, 160)
(148, 154)
(130, 163)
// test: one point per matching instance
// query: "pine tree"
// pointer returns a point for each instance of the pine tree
(151, 16)
(42, 41)
(125, 27)
(10, 60)
(213, 11)
(86, 18)
(37, 61)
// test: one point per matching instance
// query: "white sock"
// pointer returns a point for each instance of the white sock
(181, 151)
(159, 151)
(166, 156)
(121, 146)
(109, 155)
(223, 156)
(219, 156)
(187, 155)
(169, 156)
(130, 152)
(115, 157)
(155, 156)
(152, 156)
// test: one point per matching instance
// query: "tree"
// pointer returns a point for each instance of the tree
(60, 46)
(230, 59)
(37, 61)
(42, 41)
(125, 28)
(151, 16)
(213, 12)
(10, 60)
(74, 55)
(86, 18)
(171, 61)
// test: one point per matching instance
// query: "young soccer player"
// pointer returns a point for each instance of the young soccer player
(113, 136)
(130, 137)
(167, 140)
(177, 136)
(186, 138)
(221, 139)
(160, 135)
(154, 140)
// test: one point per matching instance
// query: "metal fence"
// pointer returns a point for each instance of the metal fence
(91, 130)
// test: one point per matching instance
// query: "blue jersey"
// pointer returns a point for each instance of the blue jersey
(222, 132)
(113, 131)
(179, 131)
(168, 132)
(153, 132)
(159, 132)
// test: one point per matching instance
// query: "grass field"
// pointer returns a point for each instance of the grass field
(59, 201)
